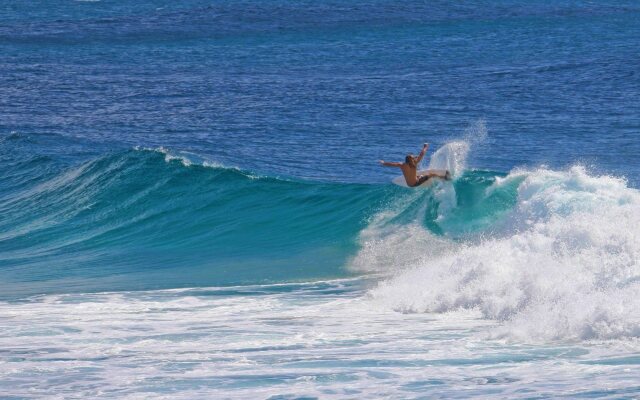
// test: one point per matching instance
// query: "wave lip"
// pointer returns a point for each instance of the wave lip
(563, 266)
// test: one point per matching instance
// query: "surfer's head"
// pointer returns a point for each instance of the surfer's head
(410, 159)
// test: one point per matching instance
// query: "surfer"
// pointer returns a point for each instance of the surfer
(410, 169)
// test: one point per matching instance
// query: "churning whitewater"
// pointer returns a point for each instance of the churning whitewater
(192, 207)
(550, 254)
(403, 282)
(560, 264)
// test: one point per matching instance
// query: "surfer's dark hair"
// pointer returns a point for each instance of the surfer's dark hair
(409, 159)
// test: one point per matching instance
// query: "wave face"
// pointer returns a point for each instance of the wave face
(144, 218)
(450, 276)
(153, 218)
(552, 254)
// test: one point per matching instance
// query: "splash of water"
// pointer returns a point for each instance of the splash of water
(453, 155)
(565, 264)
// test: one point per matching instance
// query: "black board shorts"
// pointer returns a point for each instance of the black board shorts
(421, 179)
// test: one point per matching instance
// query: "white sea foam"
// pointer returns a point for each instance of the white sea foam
(566, 264)
(184, 157)
(388, 246)
(187, 159)
(309, 340)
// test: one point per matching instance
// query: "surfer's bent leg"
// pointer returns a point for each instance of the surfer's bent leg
(446, 176)
(422, 179)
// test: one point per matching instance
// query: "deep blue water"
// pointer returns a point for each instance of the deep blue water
(320, 90)
(232, 147)
(298, 90)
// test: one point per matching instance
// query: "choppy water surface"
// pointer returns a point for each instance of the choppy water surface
(191, 205)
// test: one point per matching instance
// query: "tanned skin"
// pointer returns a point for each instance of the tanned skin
(410, 168)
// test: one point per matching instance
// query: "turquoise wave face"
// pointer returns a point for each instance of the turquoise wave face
(144, 219)
(160, 224)
(165, 224)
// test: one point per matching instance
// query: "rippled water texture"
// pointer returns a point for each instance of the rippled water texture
(191, 204)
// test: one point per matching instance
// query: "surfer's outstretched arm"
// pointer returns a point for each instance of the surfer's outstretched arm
(390, 164)
(424, 150)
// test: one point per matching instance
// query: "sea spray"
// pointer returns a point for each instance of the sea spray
(565, 265)
(410, 228)
(453, 155)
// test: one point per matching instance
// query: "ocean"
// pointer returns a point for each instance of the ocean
(191, 204)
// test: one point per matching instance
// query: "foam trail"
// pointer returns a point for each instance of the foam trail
(564, 266)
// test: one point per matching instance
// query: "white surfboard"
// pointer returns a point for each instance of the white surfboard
(401, 182)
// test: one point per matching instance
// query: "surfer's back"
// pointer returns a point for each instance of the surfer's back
(410, 173)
